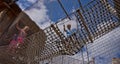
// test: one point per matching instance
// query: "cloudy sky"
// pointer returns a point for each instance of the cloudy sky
(45, 12)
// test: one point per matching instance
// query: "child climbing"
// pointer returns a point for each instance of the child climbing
(68, 32)
(70, 40)
(22, 34)
(18, 38)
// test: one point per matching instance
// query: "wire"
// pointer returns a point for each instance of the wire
(63, 9)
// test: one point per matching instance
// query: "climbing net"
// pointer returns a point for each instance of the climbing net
(94, 20)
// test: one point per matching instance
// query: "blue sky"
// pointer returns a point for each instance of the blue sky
(45, 12)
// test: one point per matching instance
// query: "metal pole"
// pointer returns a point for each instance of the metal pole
(82, 56)
(63, 9)
(87, 54)
(62, 59)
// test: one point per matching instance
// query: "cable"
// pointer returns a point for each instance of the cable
(63, 9)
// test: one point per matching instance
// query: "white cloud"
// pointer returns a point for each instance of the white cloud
(38, 13)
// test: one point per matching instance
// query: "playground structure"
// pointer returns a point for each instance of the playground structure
(93, 21)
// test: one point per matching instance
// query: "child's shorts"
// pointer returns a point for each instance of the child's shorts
(20, 40)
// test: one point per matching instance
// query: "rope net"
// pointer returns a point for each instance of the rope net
(93, 21)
